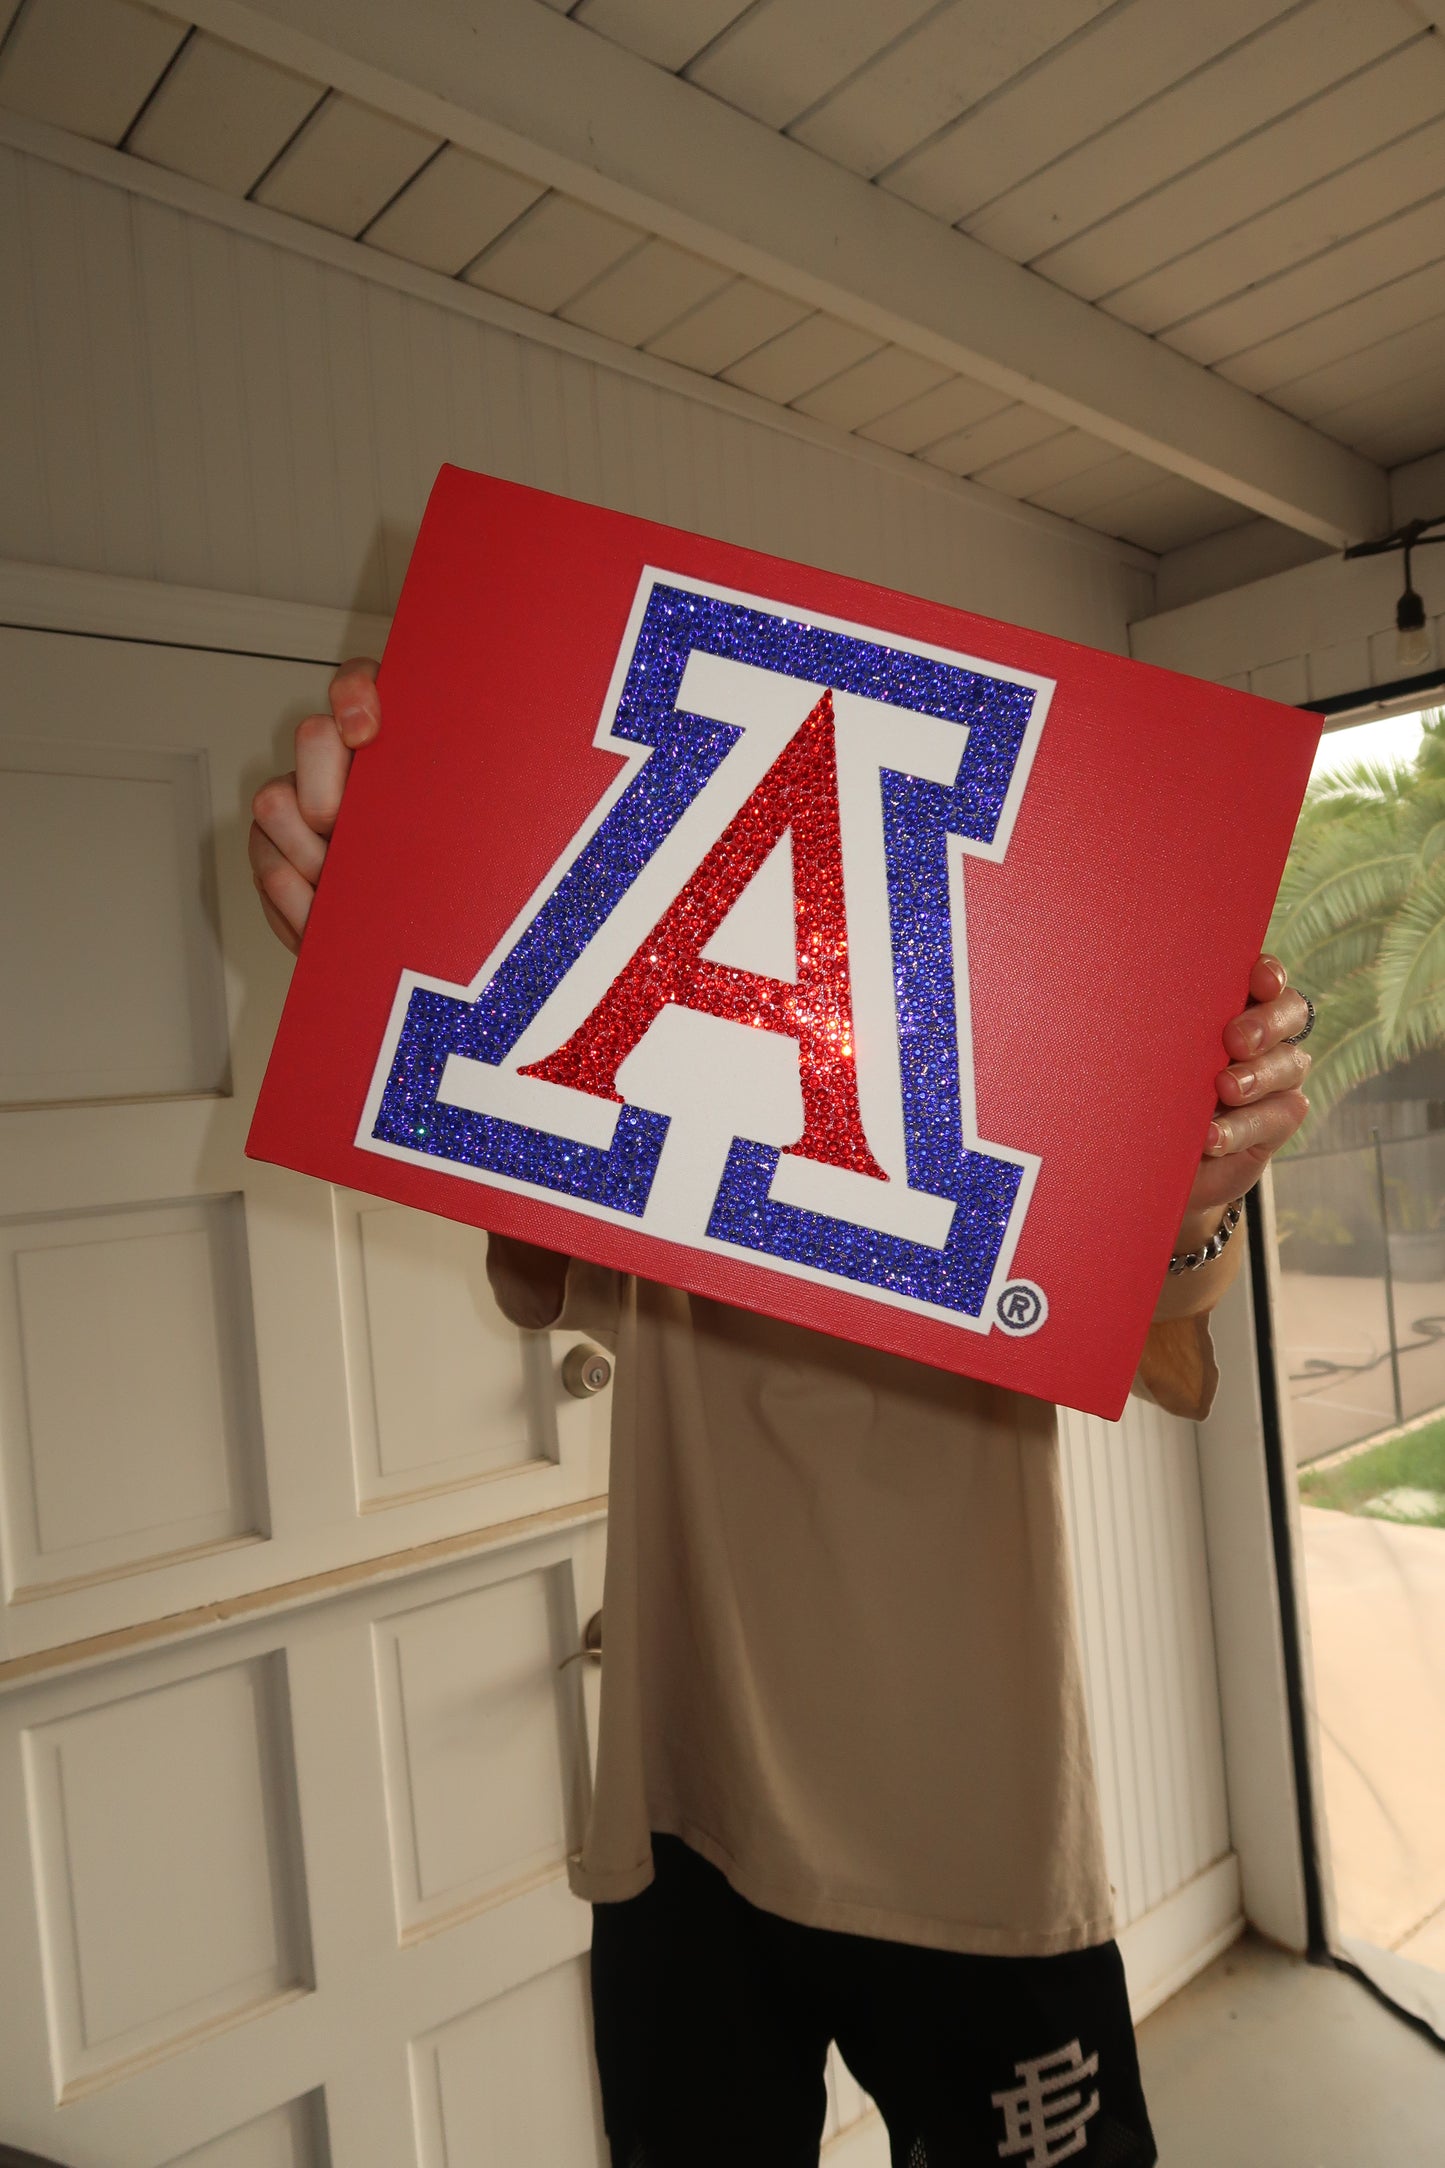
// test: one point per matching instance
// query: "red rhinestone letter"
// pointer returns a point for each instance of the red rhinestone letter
(799, 792)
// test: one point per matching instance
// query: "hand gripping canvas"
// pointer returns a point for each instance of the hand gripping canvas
(804, 945)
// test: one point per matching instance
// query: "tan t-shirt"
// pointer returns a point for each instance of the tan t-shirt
(839, 1650)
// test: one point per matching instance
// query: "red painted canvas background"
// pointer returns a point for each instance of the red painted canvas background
(1106, 951)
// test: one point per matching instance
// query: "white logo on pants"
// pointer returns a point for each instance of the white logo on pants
(1044, 2117)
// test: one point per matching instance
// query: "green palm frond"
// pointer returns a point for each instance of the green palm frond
(1364, 782)
(1424, 806)
(1430, 760)
(1322, 964)
(1409, 972)
(1350, 871)
(1374, 824)
(1360, 918)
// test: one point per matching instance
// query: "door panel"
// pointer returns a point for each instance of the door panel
(512, 2079)
(216, 1377)
(127, 1389)
(443, 1390)
(107, 848)
(298, 1887)
(291, 2136)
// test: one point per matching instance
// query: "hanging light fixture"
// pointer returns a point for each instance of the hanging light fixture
(1413, 650)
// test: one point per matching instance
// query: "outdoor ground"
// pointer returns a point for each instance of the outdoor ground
(1322, 1318)
(1376, 1588)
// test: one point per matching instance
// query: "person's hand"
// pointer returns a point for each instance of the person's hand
(293, 815)
(1260, 1104)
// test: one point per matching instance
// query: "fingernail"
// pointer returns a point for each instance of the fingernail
(1216, 1141)
(1252, 1037)
(1245, 1079)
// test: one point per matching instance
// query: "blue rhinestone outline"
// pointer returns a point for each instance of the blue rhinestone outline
(918, 818)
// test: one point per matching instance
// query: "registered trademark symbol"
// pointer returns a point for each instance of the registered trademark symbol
(1022, 1307)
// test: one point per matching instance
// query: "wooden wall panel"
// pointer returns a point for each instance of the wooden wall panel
(187, 404)
(1147, 1629)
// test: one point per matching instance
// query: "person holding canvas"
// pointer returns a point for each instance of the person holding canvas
(844, 1786)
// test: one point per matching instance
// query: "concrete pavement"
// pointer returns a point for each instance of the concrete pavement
(1377, 1623)
(1338, 1320)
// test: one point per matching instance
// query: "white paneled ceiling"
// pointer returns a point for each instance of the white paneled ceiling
(343, 166)
(553, 253)
(106, 53)
(1258, 185)
(738, 320)
(669, 34)
(456, 207)
(226, 116)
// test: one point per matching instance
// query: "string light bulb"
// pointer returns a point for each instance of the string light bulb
(1412, 634)
(1414, 649)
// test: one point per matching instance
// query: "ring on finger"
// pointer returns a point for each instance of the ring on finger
(1298, 1037)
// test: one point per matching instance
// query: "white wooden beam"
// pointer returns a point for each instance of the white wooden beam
(524, 85)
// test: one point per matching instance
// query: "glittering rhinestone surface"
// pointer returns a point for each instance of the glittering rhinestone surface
(798, 794)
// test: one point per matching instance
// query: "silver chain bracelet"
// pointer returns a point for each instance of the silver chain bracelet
(1191, 1260)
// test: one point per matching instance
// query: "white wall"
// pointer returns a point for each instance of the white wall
(1311, 633)
(187, 403)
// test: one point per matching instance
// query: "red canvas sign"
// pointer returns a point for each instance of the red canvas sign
(805, 945)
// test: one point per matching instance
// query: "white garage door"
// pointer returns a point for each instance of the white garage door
(297, 1530)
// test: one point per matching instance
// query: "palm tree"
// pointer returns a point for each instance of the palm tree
(1360, 918)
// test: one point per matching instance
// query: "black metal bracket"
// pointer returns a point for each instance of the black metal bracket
(1412, 536)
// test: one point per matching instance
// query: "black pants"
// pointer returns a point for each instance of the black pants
(713, 2021)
